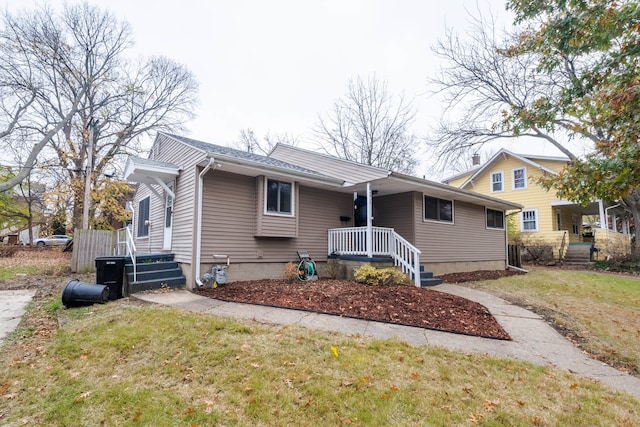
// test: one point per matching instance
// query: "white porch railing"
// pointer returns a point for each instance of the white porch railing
(126, 246)
(384, 242)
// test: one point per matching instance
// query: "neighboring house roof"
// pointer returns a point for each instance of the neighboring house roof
(460, 175)
(527, 159)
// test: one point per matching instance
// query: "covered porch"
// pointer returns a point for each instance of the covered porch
(603, 225)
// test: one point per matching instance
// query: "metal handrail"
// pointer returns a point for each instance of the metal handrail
(129, 248)
(562, 245)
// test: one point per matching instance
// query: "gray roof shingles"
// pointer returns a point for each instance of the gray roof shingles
(218, 150)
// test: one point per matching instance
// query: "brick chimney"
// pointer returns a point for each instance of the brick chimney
(475, 160)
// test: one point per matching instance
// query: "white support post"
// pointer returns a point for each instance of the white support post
(369, 222)
(603, 217)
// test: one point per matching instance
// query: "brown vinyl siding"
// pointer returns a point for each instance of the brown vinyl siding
(269, 225)
(184, 206)
(230, 207)
(467, 239)
(396, 211)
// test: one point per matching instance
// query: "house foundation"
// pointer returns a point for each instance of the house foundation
(440, 268)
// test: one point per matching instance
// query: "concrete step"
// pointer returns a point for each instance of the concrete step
(148, 285)
(430, 282)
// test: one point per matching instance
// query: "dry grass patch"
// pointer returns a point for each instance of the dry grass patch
(598, 311)
(122, 364)
(32, 261)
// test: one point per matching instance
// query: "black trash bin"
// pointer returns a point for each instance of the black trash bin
(78, 294)
(110, 272)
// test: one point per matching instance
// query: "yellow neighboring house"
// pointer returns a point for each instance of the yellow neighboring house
(545, 219)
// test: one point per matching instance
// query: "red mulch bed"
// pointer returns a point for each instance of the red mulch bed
(401, 304)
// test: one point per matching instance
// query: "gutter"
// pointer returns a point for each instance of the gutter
(210, 166)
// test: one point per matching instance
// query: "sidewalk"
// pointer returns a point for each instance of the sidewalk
(12, 306)
(533, 340)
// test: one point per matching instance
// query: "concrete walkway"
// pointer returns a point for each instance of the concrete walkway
(533, 340)
(12, 306)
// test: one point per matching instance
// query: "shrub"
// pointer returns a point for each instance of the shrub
(7, 251)
(626, 264)
(371, 275)
(291, 271)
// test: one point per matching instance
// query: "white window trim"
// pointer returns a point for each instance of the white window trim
(522, 220)
(293, 198)
(501, 181)
(437, 221)
(504, 219)
(513, 179)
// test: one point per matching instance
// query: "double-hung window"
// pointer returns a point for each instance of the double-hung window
(519, 178)
(143, 217)
(279, 197)
(497, 182)
(495, 219)
(438, 209)
(530, 220)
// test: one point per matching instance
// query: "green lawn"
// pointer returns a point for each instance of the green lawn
(120, 364)
(139, 365)
(600, 311)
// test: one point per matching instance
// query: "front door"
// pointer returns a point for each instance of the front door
(360, 212)
(168, 218)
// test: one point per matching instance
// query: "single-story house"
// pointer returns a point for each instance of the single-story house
(196, 200)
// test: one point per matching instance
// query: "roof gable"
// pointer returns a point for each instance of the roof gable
(527, 160)
(350, 171)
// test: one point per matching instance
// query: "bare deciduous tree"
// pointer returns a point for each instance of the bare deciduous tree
(369, 126)
(30, 59)
(120, 100)
(250, 143)
(491, 95)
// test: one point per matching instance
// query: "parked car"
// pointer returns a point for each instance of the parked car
(55, 240)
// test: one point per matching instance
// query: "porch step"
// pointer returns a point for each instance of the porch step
(427, 279)
(578, 255)
(154, 271)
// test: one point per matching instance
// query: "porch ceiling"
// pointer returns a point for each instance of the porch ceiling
(592, 208)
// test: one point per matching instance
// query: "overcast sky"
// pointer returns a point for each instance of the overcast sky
(273, 66)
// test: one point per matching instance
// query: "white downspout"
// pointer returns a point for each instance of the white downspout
(210, 166)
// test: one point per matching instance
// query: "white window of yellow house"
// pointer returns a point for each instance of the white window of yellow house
(497, 182)
(529, 219)
(558, 220)
(575, 227)
(519, 178)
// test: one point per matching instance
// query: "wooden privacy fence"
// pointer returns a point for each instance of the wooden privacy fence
(89, 244)
(514, 255)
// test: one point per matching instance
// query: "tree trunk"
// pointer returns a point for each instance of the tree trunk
(633, 204)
